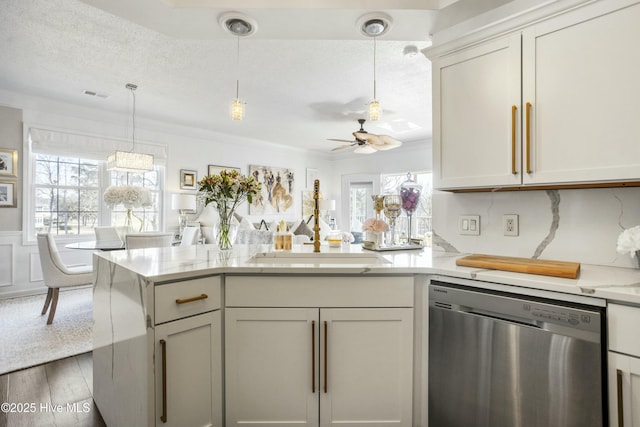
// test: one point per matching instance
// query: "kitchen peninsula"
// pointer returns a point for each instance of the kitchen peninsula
(196, 336)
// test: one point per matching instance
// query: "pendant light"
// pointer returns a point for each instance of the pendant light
(237, 105)
(374, 25)
(130, 161)
(238, 25)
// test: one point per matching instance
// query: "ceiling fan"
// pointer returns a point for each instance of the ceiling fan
(366, 142)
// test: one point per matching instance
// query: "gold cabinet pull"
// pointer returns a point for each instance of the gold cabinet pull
(528, 136)
(620, 405)
(514, 110)
(192, 299)
(163, 346)
(326, 327)
(313, 356)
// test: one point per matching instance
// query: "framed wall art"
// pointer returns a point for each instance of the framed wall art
(8, 195)
(276, 195)
(8, 162)
(215, 169)
(188, 179)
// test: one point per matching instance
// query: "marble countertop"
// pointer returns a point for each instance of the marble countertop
(175, 263)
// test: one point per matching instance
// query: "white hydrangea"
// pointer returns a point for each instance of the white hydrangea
(129, 196)
(629, 241)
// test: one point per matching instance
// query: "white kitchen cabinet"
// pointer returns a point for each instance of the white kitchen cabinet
(188, 371)
(289, 361)
(283, 365)
(575, 122)
(624, 365)
(476, 101)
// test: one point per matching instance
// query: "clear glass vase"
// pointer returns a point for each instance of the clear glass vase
(226, 230)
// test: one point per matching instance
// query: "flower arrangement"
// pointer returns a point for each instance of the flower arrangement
(227, 190)
(129, 196)
(375, 225)
(629, 241)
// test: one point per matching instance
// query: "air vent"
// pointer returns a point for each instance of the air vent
(96, 94)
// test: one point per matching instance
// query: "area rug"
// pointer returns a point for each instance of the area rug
(25, 338)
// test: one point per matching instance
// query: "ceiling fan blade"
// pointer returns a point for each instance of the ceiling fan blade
(340, 140)
(388, 142)
(342, 147)
(369, 138)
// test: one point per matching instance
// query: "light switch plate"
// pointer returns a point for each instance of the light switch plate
(469, 225)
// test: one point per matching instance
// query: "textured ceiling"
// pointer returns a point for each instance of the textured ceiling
(306, 75)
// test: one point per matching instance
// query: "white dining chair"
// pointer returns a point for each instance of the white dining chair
(106, 234)
(190, 236)
(148, 240)
(57, 275)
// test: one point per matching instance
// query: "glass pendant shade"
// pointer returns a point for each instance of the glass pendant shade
(128, 161)
(237, 109)
(374, 110)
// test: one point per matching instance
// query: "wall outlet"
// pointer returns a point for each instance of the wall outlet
(510, 225)
(469, 224)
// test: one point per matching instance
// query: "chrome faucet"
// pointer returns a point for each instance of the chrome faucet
(316, 216)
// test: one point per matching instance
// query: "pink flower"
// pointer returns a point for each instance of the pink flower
(375, 225)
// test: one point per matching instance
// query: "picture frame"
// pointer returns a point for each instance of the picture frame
(8, 162)
(188, 179)
(216, 169)
(8, 197)
(277, 196)
(312, 175)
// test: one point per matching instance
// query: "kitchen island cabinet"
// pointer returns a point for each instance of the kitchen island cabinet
(323, 366)
(573, 123)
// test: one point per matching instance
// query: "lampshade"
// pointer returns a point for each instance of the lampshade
(128, 161)
(237, 109)
(183, 202)
(374, 110)
(327, 205)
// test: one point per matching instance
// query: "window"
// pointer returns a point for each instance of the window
(421, 218)
(67, 194)
(67, 177)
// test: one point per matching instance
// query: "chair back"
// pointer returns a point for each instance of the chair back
(148, 240)
(54, 272)
(106, 234)
(190, 236)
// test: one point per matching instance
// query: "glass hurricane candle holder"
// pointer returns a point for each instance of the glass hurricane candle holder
(392, 210)
(410, 195)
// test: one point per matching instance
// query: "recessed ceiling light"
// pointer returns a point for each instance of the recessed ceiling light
(374, 24)
(238, 24)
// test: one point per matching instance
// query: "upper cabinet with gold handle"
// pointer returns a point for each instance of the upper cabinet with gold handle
(575, 122)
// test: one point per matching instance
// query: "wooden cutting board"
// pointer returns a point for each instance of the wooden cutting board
(564, 269)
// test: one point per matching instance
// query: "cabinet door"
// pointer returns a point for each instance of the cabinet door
(580, 77)
(188, 371)
(366, 367)
(476, 131)
(624, 390)
(271, 366)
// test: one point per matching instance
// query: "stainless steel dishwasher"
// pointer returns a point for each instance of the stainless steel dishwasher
(506, 360)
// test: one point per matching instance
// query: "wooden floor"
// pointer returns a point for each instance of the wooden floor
(56, 394)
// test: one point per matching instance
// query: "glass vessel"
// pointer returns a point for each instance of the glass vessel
(392, 211)
(410, 196)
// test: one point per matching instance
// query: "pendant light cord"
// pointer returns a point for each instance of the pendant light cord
(238, 70)
(374, 68)
(133, 125)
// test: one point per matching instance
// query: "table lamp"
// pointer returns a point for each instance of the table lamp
(184, 203)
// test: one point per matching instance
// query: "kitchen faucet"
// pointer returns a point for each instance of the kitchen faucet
(316, 215)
